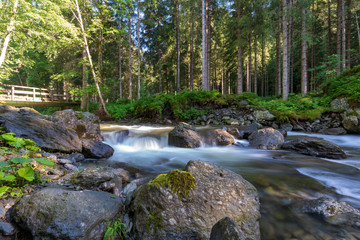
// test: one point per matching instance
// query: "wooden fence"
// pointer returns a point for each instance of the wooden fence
(31, 94)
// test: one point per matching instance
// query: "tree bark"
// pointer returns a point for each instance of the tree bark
(278, 58)
(204, 47)
(285, 81)
(304, 80)
(89, 56)
(192, 56)
(358, 29)
(208, 42)
(130, 64)
(9, 30)
(139, 48)
(338, 38)
(255, 66)
(248, 75)
(178, 46)
(84, 106)
(329, 27)
(343, 13)
(263, 66)
(348, 33)
(120, 67)
(240, 78)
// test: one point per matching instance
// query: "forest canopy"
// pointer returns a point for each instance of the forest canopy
(128, 49)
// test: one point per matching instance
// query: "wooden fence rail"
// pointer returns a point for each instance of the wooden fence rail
(31, 94)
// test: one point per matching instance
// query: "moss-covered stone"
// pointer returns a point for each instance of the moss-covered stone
(180, 182)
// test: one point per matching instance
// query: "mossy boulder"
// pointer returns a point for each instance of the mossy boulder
(162, 213)
(59, 213)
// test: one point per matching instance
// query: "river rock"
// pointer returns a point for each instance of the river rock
(332, 211)
(219, 137)
(267, 138)
(95, 149)
(161, 214)
(226, 229)
(58, 213)
(93, 177)
(339, 103)
(85, 124)
(314, 147)
(263, 115)
(247, 130)
(333, 131)
(351, 123)
(7, 229)
(185, 136)
(234, 132)
(44, 133)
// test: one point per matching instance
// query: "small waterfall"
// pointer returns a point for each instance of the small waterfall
(146, 143)
(116, 137)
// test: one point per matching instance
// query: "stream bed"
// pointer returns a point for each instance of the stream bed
(281, 177)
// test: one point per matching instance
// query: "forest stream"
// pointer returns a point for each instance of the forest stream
(281, 177)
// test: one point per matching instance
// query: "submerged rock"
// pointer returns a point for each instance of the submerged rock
(234, 132)
(226, 229)
(267, 138)
(331, 211)
(58, 213)
(333, 131)
(219, 137)
(185, 136)
(95, 149)
(159, 213)
(316, 147)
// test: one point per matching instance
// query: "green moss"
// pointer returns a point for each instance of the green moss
(180, 182)
(154, 222)
(79, 116)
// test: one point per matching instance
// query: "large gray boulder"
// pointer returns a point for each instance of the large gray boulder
(313, 146)
(185, 136)
(339, 104)
(267, 138)
(263, 115)
(85, 124)
(58, 213)
(351, 123)
(247, 130)
(219, 137)
(226, 229)
(46, 134)
(160, 213)
(95, 149)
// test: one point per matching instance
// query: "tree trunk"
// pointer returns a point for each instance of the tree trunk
(278, 58)
(130, 65)
(289, 19)
(285, 81)
(358, 29)
(120, 68)
(329, 27)
(85, 97)
(89, 57)
(338, 38)
(204, 47)
(139, 48)
(263, 66)
(304, 80)
(208, 42)
(255, 65)
(192, 57)
(9, 30)
(343, 13)
(240, 78)
(348, 33)
(178, 46)
(159, 69)
(248, 75)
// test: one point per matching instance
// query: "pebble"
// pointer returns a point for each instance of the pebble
(7, 229)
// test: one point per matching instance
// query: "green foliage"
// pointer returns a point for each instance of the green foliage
(154, 222)
(347, 84)
(115, 230)
(12, 141)
(180, 182)
(47, 110)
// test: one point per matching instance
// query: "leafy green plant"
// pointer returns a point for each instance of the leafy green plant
(116, 230)
(17, 142)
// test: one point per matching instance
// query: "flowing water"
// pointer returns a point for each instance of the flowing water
(281, 177)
